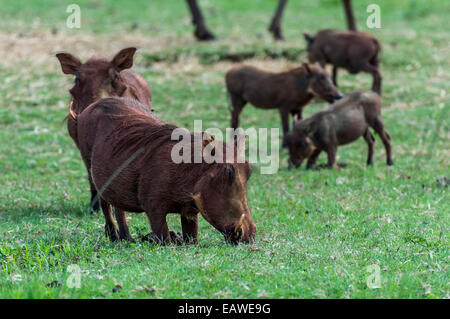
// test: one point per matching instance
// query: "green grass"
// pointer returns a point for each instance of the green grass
(318, 231)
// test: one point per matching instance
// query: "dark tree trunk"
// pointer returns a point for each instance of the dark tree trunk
(201, 31)
(275, 25)
(351, 23)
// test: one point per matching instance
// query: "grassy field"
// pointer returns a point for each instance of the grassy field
(318, 231)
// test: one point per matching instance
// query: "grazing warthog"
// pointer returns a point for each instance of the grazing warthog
(342, 123)
(99, 78)
(352, 50)
(129, 152)
(287, 91)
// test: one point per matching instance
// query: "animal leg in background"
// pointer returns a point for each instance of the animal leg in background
(275, 25)
(351, 23)
(335, 75)
(370, 142)
(379, 128)
(284, 121)
(313, 158)
(237, 103)
(331, 153)
(201, 30)
(376, 86)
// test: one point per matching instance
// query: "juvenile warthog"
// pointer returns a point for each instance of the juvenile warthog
(352, 50)
(342, 123)
(287, 91)
(129, 151)
(98, 78)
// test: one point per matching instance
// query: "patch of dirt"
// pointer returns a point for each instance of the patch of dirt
(192, 64)
(37, 49)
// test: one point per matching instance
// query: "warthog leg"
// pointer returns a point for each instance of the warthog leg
(124, 232)
(370, 142)
(110, 227)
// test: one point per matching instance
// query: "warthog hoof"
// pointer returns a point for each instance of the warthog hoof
(203, 34)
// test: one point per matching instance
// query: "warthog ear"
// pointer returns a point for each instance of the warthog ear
(303, 127)
(309, 38)
(307, 68)
(69, 63)
(308, 128)
(124, 59)
(310, 143)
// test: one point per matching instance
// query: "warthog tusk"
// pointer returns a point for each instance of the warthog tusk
(238, 226)
(71, 112)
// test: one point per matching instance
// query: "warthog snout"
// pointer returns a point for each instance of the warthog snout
(243, 231)
(334, 96)
(338, 96)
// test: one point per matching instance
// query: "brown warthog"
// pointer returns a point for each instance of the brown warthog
(342, 123)
(130, 150)
(98, 78)
(287, 91)
(352, 50)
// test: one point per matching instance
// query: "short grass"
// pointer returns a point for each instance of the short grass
(318, 231)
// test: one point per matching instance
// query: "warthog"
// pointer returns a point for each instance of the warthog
(287, 91)
(98, 78)
(342, 123)
(352, 50)
(116, 130)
